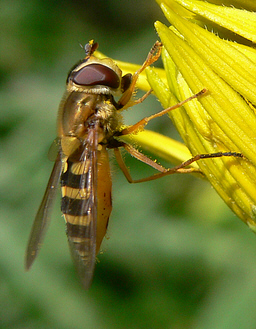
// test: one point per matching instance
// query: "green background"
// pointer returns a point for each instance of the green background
(175, 257)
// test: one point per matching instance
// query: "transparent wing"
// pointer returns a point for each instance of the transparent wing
(79, 206)
(42, 219)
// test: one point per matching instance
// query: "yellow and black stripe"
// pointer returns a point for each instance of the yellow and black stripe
(76, 206)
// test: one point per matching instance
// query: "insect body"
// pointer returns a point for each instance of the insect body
(89, 123)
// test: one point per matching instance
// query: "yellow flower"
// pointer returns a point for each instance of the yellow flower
(197, 55)
(224, 119)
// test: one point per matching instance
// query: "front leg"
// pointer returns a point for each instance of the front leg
(124, 101)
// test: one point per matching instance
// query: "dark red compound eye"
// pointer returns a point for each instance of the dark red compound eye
(96, 74)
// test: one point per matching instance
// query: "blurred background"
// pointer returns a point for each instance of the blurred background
(175, 256)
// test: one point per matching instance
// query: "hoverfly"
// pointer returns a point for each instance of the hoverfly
(89, 123)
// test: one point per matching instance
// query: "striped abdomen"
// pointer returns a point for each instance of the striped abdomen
(82, 200)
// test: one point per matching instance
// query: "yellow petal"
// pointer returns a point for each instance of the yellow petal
(240, 21)
(220, 121)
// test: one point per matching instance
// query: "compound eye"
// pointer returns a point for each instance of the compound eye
(96, 74)
(126, 82)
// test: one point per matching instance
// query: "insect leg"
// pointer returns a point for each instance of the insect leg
(179, 169)
(153, 56)
(143, 122)
(139, 156)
